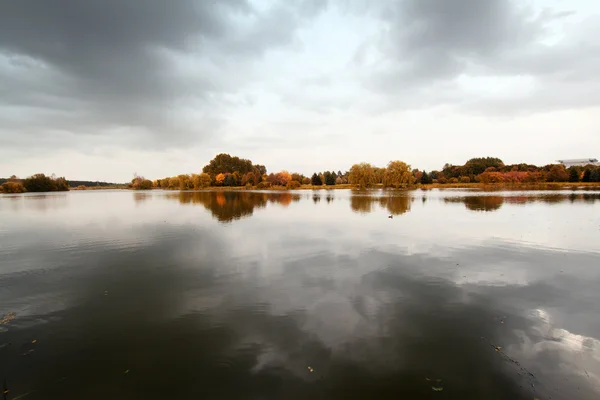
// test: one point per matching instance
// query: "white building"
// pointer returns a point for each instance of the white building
(582, 162)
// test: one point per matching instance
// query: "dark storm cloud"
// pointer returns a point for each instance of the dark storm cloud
(97, 65)
(439, 38)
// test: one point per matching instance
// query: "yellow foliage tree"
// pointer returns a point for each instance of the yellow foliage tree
(362, 174)
(219, 179)
(398, 174)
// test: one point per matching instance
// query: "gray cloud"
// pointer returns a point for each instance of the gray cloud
(148, 66)
(426, 45)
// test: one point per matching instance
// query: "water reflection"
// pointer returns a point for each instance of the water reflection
(227, 206)
(398, 204)
(158, 304)
(35, 202)
(493, 203)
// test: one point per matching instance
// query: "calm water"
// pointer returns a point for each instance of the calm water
(303, 295)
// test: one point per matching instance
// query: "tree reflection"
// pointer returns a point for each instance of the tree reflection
(493, 203)
(230, 206)
(395, 205)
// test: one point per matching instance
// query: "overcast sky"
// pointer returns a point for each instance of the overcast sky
(101, 89)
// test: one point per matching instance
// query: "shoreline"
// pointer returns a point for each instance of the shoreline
(582, 186)
(478, 186)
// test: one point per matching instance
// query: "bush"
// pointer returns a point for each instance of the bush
(306, 181)
(453, 180)
(263, 185)
(442, 181)
(465, 179)
(43, 183)
(293, 185)
(12, 187)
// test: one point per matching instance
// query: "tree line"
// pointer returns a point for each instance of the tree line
(229, 171)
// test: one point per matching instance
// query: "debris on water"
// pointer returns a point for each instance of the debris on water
(22, 395)
(7, 318)
(310, 369)
(437, 388)
(126, 371)
(106, 292)
(34, 341)
(28, 352)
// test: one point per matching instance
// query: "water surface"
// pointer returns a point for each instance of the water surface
(337, 294)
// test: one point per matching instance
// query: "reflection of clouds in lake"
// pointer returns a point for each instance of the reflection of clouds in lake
(559, 353)
(190, 296)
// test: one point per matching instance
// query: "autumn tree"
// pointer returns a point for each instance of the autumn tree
(248, 179)
(237, 167)
(200, 181)
(362, 175)
(140, 183)
(283, 177)
(297, 177)
(306, 181)
(12, 187)
(316, 180)
(398, 174)
(557, 173)
(43, 183)
(219, 179)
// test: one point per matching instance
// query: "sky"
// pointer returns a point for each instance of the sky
(103, 89)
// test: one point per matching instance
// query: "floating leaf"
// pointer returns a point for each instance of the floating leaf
(437, 388)
(34, 341)
(7, 318)
(126, 371)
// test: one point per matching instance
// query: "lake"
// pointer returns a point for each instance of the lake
(441, 294)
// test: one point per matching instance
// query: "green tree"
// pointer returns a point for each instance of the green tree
(586, 175)
(362, 175)
(316, 180)
(330, 178)
(398, 174)
(425, 178)
(595, 175)
(574, 174)
(40, 183)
